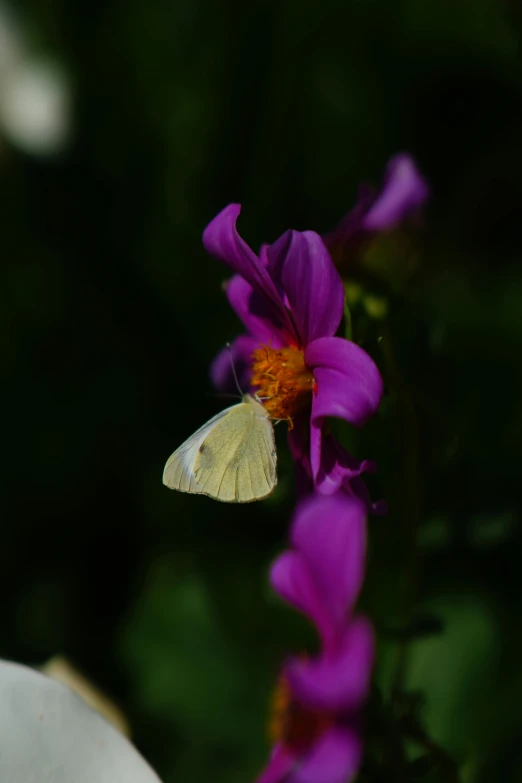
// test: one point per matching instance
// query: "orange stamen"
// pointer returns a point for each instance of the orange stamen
(292, 724)
(285, 382)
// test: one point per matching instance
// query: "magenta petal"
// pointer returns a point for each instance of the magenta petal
(334, 758)
(349, 385)
(403, 193)
(329, 532)
(222, 240)
(338, 682)
(254, 312)
(279, 765)
(301, 264)
(240, 354)
(292, 580)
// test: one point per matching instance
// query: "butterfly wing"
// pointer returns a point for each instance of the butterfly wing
(237, 461)
(262, 462)
(179, 469)
(232, 458)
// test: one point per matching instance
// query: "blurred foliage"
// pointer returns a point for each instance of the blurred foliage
(112, 312)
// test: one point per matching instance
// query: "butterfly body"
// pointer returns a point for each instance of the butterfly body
(231, 458)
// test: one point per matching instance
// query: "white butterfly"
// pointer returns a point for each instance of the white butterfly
(231, 458)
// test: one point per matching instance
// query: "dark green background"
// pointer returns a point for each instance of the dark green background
(111, 312)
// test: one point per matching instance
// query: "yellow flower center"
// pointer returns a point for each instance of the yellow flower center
(284, 381)
(293, 725)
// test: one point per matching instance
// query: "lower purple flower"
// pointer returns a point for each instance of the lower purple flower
(316, 721)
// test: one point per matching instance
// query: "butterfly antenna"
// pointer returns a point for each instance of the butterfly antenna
(234, 370)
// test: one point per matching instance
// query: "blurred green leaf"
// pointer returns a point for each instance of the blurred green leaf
(188, 674)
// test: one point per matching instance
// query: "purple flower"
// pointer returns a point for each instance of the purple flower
(290, 299)
(316, 725)
(403, 194)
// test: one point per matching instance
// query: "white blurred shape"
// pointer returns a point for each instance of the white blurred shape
(34, 107)
(49, 735)
(35, 104)
(61, 670)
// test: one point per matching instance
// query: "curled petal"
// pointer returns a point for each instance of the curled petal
(337, 469)
(302, 267)
(329, 533)
(334, 757)
(403, 193)
(337, 466)
(239, 355)
(254, 312)
(336, 682)
(349, 385)
(221, 239)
